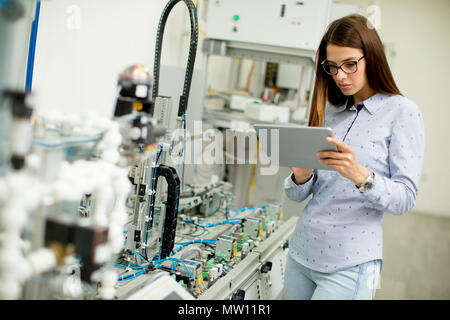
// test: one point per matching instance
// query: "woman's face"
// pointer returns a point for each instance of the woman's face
(352, 83)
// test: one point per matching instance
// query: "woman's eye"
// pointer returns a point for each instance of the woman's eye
(350, 65)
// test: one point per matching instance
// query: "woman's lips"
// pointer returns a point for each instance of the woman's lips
(345, 86)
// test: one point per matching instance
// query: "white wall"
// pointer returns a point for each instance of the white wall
(419, 30)
(418, 33)
(83, 45)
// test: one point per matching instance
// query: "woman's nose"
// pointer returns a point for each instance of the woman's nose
(341, 74)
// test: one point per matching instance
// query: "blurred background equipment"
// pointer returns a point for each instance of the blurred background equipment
(123, 203)
(109, 214)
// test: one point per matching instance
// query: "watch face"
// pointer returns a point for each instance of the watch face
(366, 186)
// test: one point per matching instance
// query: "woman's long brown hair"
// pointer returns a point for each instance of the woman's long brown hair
(351, 31)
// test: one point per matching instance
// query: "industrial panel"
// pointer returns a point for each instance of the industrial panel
(252, 292)
(277, 274)
(294, 24)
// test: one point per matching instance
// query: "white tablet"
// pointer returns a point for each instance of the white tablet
(297, 145)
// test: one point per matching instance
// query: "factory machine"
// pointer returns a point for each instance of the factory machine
(97, 208)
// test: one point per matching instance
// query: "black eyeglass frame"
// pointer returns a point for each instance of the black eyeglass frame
(340, 67)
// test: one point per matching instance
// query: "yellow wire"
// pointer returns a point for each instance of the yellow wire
(203, 33)
(252, 179)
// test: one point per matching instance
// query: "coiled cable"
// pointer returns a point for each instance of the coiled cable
(182, 108)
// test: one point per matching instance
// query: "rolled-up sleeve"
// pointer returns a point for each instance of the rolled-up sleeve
(397, 194)
(298, 192)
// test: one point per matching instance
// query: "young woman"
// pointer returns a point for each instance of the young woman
(336, 249)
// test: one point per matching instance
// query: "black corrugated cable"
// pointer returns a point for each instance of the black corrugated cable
(182, 108)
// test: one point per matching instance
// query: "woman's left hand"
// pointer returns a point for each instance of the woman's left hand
(344, 162)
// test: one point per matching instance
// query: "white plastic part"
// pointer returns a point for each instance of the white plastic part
(14, 268)
(214, 179)
(109, 279)
(161, 287)
(245, 248)
(102, 253)
(214, 273)
(69, 181)
(42, 260)
(66, 128)
(20, 136)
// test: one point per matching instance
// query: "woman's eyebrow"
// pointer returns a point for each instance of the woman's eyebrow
(347, 59)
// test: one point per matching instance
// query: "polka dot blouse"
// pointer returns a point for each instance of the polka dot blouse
(341, 227)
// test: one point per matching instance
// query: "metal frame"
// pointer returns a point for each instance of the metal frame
(260, 52)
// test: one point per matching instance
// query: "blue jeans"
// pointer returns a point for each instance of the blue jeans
(355, 283)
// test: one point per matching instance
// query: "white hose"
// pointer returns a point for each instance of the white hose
(103, 177)
(187, 253)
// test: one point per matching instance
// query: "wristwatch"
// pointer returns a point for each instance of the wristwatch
(367, 184)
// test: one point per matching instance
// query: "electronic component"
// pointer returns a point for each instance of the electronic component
(195, 269)
(133, 239)
(211, 203)
(274, 212)
(139, 134)
(226, 248)
(163, 110)
(69, 235)
(219, 267)
(253, 227)
(213, 274)
(85, 205)
(206, 200)
(245, 249)
(270, 227)
(135, 86)
(133, 113)
(88, 241)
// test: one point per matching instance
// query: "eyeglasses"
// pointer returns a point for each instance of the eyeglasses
(347, 67)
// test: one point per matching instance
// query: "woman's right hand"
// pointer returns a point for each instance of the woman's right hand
(301, 175)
